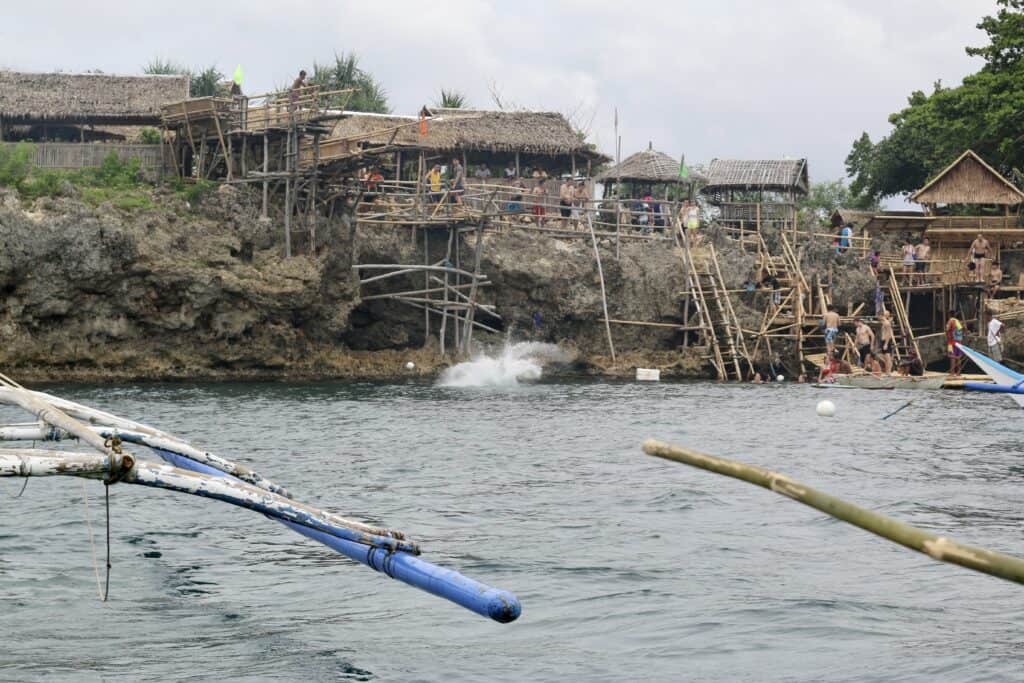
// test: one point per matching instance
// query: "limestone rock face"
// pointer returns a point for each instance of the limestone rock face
(203, 290)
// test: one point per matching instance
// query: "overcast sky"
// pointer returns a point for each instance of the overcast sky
(732, 78)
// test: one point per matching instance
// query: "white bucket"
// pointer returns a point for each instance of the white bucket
(648, 375)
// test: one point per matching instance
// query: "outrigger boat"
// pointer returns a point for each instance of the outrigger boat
(196, 472)
(1006, 381)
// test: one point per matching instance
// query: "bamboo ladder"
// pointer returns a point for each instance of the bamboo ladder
(737, 346)
(697, 295)
(902, 318)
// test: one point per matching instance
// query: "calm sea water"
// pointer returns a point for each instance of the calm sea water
(628, 568)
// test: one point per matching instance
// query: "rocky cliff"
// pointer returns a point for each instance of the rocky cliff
(185, 291)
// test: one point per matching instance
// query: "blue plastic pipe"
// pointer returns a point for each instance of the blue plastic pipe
(497, 604)
(994, 388)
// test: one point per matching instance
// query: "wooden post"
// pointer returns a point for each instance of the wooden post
(398, 166)
(266, 169)
(288, 191)
(3, 129)
(518, 174)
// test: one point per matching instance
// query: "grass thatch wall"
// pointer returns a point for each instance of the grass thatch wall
(969, 180)
(87, 98)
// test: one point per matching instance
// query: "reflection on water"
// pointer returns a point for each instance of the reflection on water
(628, 567)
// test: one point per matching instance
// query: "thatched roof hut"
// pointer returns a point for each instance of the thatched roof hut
(458, 130)
(969, 180)
(649, 166)
(30, 98)
(772, 175)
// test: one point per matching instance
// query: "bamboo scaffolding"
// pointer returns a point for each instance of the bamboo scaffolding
(604, 294)
(937, 547)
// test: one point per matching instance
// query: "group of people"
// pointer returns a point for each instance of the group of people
(916, 258)
(876, 353)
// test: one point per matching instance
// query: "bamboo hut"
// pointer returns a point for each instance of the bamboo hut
(649, 172)
(49, 101)
(523, 140)
(750, 194)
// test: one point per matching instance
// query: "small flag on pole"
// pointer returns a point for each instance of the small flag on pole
(238, 75)
(683, 171)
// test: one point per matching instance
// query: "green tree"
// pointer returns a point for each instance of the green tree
(451, 99)
(825, 197)
(1006, 36)
(985, 113)
(202, 83)
(345, 72)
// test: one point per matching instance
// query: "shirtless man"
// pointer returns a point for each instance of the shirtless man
(831, 322)
(995, 277)
(888, 343)
(922, 252)
(979, 251)
(864, 336)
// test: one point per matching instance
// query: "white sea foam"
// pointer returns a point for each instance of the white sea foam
(519, 362)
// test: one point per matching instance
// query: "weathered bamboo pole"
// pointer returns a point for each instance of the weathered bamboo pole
(23, 463)
(604, 295)
(936, 547)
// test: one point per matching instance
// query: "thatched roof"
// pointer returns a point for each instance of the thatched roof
(87, 98)
(472, 131)
(777, 175)
(969, 180)
(649, 166)
(858, 218)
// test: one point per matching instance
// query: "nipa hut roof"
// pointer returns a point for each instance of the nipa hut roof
(969, 180)
(449, 130)
(650, 166)
(87, 98)
(778, 175)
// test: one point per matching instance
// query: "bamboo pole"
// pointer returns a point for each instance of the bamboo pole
(604, 294)
(937, 547)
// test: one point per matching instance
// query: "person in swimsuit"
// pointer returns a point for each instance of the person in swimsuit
(865, 337)
(979, 250)
(954, 336)
(908, 261)
(888, 345)
(831, 324)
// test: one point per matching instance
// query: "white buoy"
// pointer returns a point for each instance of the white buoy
(410, 366)
(826, 408)
(780, 378)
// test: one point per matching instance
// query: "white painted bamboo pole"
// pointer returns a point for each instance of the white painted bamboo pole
(21, 463)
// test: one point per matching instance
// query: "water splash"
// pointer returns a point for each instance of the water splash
(523, 361)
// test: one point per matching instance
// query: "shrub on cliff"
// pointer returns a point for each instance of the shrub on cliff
(15, 164)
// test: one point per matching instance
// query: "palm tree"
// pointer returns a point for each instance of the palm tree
(451, 99)
(344, 73)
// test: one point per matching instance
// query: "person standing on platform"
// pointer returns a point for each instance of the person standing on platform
(922, 254)
(954, 336)
(980, 249)
(831, 323)
(887, 347)
(864, 336)
(995, 339)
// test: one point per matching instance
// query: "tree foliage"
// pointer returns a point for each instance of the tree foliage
(345, 72)
(202, 83)
(451, 99)
(985, 113)
(825, 197)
